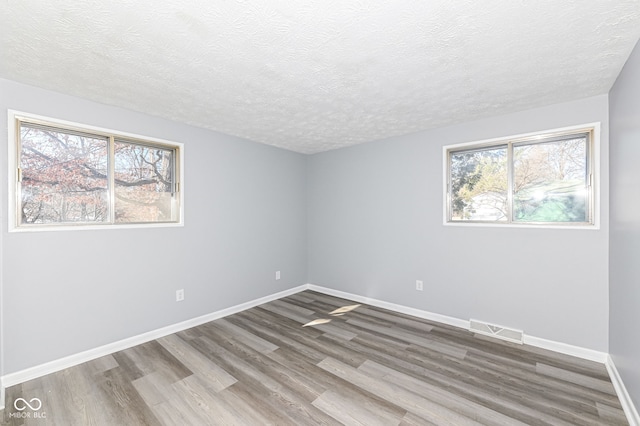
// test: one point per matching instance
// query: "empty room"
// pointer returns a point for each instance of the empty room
(300, 213)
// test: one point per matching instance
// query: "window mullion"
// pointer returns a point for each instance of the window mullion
(18, 176)
(510, 182)
(448, 195)
(589, 190)
(111, 180)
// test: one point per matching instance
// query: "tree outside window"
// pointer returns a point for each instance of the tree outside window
(72, 177)
(541, 180)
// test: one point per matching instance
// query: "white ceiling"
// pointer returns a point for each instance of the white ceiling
(315, 75)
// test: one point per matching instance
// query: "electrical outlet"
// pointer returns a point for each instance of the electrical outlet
(277, 275)
(180, 295)
(419, 285)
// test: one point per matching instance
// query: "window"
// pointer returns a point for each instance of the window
(543, 179)
(70, 176)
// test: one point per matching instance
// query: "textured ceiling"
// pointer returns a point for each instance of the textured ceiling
(317, 75)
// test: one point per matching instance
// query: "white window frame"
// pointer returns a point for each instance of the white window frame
(14, 117)
(594, 163)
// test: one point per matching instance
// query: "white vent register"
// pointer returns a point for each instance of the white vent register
(497, 331)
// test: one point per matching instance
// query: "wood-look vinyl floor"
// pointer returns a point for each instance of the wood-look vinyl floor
(311, 359)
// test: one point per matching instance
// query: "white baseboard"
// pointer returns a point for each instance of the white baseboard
(624, 397)
(565, 348)
(91, 354)
(392, 306)
(72, 360)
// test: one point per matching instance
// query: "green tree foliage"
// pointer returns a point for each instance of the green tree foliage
(479, 181)
(549, 182)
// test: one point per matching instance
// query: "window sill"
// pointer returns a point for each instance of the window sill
(65, 228)
(594, 227)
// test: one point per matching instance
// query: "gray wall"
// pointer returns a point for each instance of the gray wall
(65, 292)
(366, 220)
(375, 215)
(624, 269)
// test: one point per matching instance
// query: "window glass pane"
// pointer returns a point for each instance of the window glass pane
(479, 184)
(550, 181)
(144, 183)
(64, 177)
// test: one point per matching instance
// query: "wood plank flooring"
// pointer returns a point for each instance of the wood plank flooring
(313, 359)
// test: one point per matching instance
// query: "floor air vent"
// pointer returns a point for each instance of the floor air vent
(496, 331)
